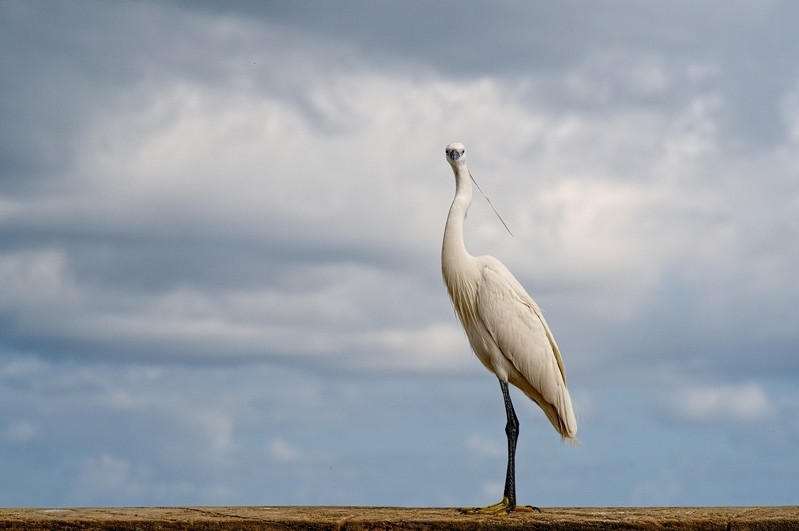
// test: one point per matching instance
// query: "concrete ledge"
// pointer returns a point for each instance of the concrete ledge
(388, 518)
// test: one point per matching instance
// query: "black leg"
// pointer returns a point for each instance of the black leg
(508, 503)
(512, 431)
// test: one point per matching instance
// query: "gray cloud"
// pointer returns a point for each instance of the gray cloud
(206, 174)
(256, 189)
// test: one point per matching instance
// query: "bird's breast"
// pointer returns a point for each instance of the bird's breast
(462, 289)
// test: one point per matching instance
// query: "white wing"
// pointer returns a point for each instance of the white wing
(523, 338)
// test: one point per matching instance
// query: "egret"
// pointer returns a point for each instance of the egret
(505, 329)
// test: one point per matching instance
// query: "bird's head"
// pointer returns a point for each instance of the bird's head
(456, 154)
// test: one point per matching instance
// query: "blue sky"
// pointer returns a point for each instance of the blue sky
(220, 228)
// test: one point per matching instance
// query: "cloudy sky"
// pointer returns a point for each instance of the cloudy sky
(220, 228)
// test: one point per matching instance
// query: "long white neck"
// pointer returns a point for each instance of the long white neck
(453, 251)
(457, 265)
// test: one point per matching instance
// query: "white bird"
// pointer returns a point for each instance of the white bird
(505, 328)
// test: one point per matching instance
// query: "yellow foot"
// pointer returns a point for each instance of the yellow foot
(500, 508)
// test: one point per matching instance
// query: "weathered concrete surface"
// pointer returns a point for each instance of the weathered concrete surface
(388, 518)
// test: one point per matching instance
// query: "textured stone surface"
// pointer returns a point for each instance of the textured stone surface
(388, 518)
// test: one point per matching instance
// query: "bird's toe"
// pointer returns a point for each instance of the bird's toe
(498, 509)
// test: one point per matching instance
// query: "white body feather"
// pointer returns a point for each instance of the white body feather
(505, 327)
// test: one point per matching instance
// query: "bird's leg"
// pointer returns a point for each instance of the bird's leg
(508, 503)
(512, 431)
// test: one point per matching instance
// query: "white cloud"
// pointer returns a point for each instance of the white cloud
(491, 490)
(106, 474)
(36, 286)
(22, 431)
(218, 428)
(285, 452)
(255, 168)
(718, 404)
(483, 447)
